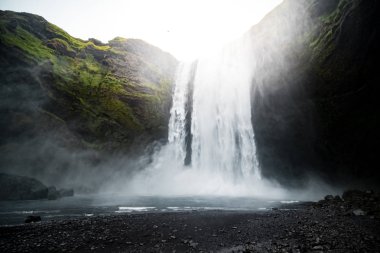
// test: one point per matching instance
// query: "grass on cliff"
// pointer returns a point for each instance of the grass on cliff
(27, 42)
(106, 103)
(325, 44)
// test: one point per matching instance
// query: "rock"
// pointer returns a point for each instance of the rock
(53, 194)
(60, 47)
(193, 244)
(66, 192)
(358, 212)
(13, 187)
(351, 33)
(97, 42)
(355, 195)
(42, 104)
(32, 218)
(329, 197)
(318, 247)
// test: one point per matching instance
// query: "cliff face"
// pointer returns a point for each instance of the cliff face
(314, 104)
(315, 109)
(59, 93)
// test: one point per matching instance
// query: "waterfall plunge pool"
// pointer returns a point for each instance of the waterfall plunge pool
(15, 212)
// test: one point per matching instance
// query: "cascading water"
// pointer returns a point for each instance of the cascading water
(223, 139)
(211, 148)
(177, 122)
(221, 128)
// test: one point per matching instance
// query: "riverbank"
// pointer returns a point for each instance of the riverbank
(310, 228)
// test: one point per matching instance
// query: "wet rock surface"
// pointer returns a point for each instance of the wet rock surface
(310, 227)
(352, 203)
(13, 187)
(54, 194)
(32, 218)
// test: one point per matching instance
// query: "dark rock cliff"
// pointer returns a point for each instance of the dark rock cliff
(314, 95)
(20, 188)
(315, 106)
(63, 99)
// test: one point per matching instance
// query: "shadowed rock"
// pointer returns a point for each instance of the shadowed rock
(32, 218)
(14, 187)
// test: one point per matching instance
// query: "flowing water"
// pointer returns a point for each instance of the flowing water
(223, 139)
(208, 163)
(15, 212)
(211, 146)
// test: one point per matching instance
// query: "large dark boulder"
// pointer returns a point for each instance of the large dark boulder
(14, 187)
(53, 194)
(32, 219)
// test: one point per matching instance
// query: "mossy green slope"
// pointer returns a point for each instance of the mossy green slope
(105, 96)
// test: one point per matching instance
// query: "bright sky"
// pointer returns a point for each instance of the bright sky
(184, 28)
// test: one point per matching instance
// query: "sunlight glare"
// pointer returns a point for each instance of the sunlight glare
(186, 28)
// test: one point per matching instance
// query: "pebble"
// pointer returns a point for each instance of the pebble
(310, 229)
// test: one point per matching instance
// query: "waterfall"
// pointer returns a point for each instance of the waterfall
(177, 122)
(211, 147)
(223, 138)
(221, 129)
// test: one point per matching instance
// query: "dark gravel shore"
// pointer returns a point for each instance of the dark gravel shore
(322, 227)
(273, 231)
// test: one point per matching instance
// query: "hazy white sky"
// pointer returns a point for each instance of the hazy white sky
(185, 28)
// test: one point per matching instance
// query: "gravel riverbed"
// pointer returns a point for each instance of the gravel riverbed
(311, 228)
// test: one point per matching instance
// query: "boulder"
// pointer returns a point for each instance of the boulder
(352, 203)
(32, 218)
(358, 212)
(66, 192)
(53, 194)
(357, 195)
(13, 187)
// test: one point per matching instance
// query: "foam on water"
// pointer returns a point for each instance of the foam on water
(216, 92)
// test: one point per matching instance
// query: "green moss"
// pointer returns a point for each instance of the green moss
(75, 43)
(27, 42)
(328, 64)
(85, 84)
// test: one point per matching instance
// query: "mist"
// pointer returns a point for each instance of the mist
(265, 141)
(211, 147)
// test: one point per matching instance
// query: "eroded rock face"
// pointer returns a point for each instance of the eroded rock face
(314, 103)
(54, 193)
(68, 104)
(14, 187)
